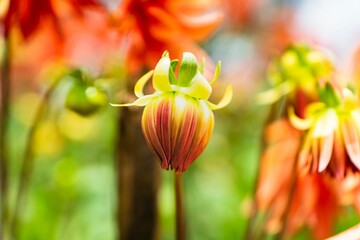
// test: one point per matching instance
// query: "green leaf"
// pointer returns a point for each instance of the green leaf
(188, 69)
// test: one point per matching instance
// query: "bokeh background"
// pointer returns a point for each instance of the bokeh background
(72, 192)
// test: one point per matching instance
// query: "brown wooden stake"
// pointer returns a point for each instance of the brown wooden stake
(138, 180)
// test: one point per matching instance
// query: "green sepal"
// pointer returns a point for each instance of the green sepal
(202, 66)
(329, 96)
(188, 69)
(217, 72)
(172, 76)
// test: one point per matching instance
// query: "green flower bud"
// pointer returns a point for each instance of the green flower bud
(83, 97)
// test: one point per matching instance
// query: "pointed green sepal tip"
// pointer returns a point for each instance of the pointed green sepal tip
(165, 54)
(226, 99)
(188, 69)
(217, 73)
(202, 66)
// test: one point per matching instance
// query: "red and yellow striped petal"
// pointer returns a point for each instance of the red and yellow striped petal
(177, 129)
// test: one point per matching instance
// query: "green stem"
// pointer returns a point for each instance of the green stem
(4, 113)
(277, 110)
(180, 218)
(28, 159)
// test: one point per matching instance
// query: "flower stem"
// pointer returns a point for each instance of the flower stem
(277, 110)
(28, 159)
(4, 112)
(180, 218)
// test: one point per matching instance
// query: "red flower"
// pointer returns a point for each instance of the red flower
(29, 15)
(149, 28)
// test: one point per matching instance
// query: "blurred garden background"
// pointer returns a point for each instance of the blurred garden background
(64, 61)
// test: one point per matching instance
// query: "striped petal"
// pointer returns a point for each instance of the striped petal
(352, 141)
(327, 144)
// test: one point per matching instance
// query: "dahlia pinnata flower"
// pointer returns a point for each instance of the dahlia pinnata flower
(178, 121)
(332, 140)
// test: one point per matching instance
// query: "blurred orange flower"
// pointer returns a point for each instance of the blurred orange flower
(148, 28)
(313, 202)
(30, 15)
(67, 31)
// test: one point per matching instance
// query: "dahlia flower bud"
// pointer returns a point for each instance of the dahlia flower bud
(300, 67)
(177, 121)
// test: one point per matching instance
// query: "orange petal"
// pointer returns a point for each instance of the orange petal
(352, 141)
(327, 144)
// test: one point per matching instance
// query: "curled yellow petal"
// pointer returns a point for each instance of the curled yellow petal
(161, 75)
(142, 101)
(224, 101)
(139, 86)
(299, 123)
(199, 88)
(275, 93)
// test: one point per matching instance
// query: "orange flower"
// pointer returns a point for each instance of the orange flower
(149, 28)
(31, 14)
(313, 202)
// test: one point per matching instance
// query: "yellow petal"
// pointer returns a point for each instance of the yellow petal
(139, 102)
(161, 75)
(199, 87)
(139, 86)
(325, 124)
(224, 101)
(275, 93)
(299, 123)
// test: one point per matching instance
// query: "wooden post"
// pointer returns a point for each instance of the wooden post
(138, 180)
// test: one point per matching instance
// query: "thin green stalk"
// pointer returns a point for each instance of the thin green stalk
(4, 113)
(180, 216)
(276, 111)
(28, 159)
